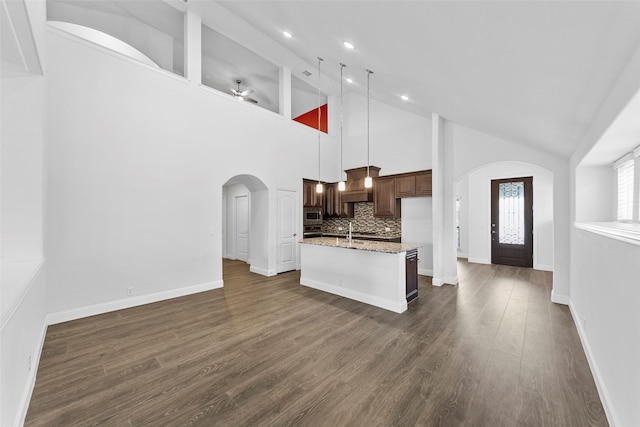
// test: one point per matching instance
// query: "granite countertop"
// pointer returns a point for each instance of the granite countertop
(357, 235)
(363, 245)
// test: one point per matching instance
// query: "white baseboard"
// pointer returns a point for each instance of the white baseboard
(92, 310)
(543, 267)
(439, 281)
(612, 416)
(479, 260)
(559, 299)
(262, 271)
(354, 295)
(23, 406)
(425, 272)
(463, 255)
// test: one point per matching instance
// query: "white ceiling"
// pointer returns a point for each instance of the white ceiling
(622, 136)
(531, 72)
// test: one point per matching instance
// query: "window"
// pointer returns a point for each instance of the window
(625, 191)
(628, 191)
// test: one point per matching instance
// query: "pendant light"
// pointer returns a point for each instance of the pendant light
(319, 184)
(368, 181)
(341, 185)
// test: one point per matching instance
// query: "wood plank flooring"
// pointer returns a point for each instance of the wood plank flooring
(493, 351)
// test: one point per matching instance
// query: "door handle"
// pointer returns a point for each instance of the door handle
(295, 234)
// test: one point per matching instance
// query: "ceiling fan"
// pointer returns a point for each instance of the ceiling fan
(242, 94)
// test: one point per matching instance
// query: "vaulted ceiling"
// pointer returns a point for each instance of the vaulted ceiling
(531, 72)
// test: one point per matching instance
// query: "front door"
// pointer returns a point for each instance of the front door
(286, 230)
(512, 221)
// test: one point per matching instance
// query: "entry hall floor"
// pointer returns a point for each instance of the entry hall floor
(493, 351)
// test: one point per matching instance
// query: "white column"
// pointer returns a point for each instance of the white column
(193, 47)
(285, 92)
(443, 186)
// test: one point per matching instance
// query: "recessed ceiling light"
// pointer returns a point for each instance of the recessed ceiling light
(404, 97)
(287, 34)
(348, 45)
(349, 80)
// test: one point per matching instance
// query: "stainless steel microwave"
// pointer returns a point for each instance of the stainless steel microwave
(312, 216)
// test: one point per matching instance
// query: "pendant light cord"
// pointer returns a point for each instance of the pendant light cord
(319, 113)
(369, 72)
(341, 118)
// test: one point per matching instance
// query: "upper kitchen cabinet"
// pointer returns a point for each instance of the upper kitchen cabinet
(385, 203)
(414, 184)
(405, 185)
(310, 197)
(423, 183)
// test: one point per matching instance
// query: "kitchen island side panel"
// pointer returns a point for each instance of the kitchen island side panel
(373, 278)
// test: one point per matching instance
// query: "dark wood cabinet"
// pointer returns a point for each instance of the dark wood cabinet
(334, 207)
(343, 209)
(423, 183)
(414, 184)
(385, 203)
(405, 186)
(310, 198)
(355, 191)
(411, 270)
(330, 191)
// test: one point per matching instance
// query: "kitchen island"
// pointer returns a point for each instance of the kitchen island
(367, 271)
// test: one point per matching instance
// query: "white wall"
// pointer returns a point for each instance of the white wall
(138, 160)
(23, 114)
(605, 297)
(156, 44)
(23, 273)
(416, 228)
(472, 149)
(21, 338)
(22, 237)
(604, 271)
(595, 193)
(399, 141)
(478, 211)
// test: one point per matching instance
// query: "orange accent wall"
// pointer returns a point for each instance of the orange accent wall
(310, 118)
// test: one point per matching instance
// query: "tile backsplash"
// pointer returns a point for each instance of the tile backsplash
(364, 221)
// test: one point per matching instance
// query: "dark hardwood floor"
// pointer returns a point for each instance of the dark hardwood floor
(493, 351)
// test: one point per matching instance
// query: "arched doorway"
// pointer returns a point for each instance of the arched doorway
(245, 226)
(473, 211)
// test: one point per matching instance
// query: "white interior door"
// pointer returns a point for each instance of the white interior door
(286, 230)
(242, 227)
